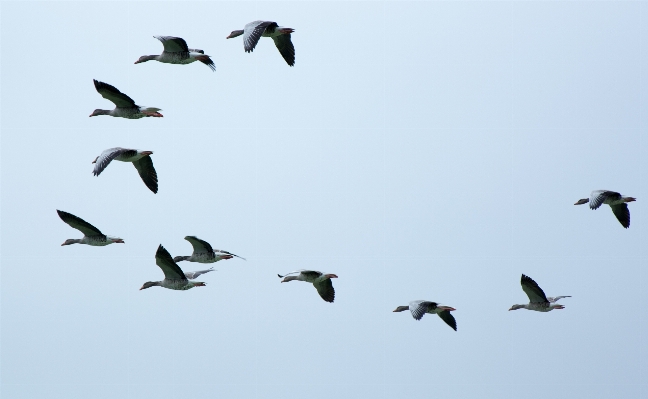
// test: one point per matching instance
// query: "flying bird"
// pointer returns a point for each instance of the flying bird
(617, 202)
(420, 308)
(281, 36)
(140, 159)
(91, 235)
(125, 107)
(321, 282)
(174, 277)
(204, 253)
(538, 301)
(177, 52)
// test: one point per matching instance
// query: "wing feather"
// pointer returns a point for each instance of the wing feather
(285, 47)
(173, 44)
(449, 319)
(252, 33)
(170, 269)
(199, 246)
(325, 289)
(622, 214)
(533, 290)
(111, 93)
(76, 222)
(108, 155)
(147, 172)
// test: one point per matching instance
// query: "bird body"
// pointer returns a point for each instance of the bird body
(617, 202)
(174, 277)
(91, 235)
(321, 282)
(420, 307)
(204, 253)
(177, 52)
(125, 107)
(538, 301)
(140, 159)
(279, 34)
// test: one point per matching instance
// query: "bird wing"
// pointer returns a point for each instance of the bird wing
(217, 251)
(173, 44)
(553, 299)
(597, 197)
(147, 172)
(419, 308)
(170, 269)
(111, 93)
(285, 47)
(325, 289)
(193, 275)
(449, 319)
(622, 214)
(533, 290)
(76, 222)
(199, 246)
(206, 60)
(108, 155)
(252, 33)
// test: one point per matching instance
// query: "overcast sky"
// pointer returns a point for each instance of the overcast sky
(418, 150)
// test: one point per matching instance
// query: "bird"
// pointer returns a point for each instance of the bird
(177, 52)
(420, 308)
(321, 282)
(617, 202)
(203, 252)
(140, 159)
(174, 277)
(91, 235)
(281, 36)
(538, 301)
(125, 107)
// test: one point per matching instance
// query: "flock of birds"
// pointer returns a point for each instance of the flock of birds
(176, 51)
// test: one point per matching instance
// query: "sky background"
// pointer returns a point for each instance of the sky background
(418, 150)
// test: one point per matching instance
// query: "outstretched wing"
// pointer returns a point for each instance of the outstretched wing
(173, 44)
(597, 197)
(448, 318)
(533, 290)
(193, 275)
(286, 48)
(76, 222)
(108, 155)
(420, 308)
(199, 246)
(553, 299)
(111, 93)
(622, 214)
(147, 172)
(253, 31)
(325, 289)
(169, 268)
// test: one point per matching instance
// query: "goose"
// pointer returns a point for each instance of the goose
(91, 235)
(420, 308)
(177, 52)
(125, 107)
(616, 201)
(281, 36)
(203, 252)
(140, 159)
(321, 282)
(538, 301)
(174, 277)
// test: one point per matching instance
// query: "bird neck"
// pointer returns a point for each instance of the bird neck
(401, 308)
(181, 258)
(235, 33)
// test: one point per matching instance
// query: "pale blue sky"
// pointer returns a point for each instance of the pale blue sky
(418, 150)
